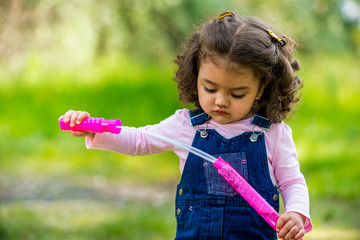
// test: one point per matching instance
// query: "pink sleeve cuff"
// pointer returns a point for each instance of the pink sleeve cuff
(88, 142)
(308, 225)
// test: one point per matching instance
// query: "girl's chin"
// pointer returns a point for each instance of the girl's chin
(222, 119)
(225, 119)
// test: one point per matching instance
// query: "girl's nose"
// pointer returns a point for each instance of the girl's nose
(221, 100)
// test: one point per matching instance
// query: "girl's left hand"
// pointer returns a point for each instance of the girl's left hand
(290, 226)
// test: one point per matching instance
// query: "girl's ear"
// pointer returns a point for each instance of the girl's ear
(261, 90)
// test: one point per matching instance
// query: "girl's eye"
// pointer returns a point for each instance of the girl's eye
(209, 90)
(238, 96)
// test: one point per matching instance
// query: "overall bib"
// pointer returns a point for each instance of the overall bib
(206, 206)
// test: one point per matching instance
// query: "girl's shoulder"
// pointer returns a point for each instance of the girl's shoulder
(280, 128)
(181, 115)
(279, 136)
(180, 118)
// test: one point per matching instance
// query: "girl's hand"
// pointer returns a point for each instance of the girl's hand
(76, 117)
(290, 226)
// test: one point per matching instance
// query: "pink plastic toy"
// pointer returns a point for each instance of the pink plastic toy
(247, 192)
(96, 125)
(255, 200)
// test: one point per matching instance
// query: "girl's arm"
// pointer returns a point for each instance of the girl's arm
(133, 143)
(128, 142)
(291, 184)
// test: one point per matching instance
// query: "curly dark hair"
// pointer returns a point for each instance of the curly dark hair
(243, 41)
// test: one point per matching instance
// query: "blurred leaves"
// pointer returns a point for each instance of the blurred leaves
(114, 59)
(79, 31)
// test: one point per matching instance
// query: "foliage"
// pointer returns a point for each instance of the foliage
(113, 59)
(74, 32)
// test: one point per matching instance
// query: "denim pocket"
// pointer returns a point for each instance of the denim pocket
(215, 183)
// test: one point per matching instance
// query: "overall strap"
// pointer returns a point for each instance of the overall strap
(261, 121)
(198, 117)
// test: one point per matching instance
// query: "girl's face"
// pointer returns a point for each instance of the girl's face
(226, 96)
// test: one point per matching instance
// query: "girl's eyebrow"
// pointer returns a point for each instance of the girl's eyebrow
(236, 88)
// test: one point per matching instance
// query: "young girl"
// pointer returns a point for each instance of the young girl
(240, 76)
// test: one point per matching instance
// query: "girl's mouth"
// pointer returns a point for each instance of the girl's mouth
(221, 112)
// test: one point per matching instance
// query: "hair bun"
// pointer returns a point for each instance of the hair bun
(295, 65)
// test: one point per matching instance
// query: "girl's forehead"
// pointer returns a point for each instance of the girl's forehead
(228, 66)
(220, 75)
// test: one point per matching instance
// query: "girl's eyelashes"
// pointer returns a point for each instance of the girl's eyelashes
(209, 90)
(232, 94)
(238, 96)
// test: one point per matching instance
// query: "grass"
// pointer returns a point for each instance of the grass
(86, 219)
(50, 184)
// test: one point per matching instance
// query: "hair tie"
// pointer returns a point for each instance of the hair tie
(280, 41)
(224, 15)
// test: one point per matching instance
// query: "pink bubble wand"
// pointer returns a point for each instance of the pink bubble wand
(261, 206)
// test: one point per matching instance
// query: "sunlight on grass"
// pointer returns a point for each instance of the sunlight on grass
(333, 233)
(70, 215)
(86, 219)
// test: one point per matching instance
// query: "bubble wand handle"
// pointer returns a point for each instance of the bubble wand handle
(96, 125)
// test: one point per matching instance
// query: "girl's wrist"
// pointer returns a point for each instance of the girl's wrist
(302, 217)
(91, 135)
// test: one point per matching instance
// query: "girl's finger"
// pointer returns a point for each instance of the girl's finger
(81, 117)
(300, 234)
(291, 233)
(73, 118)
(60, 117)
(82, 134)
(281, 221)
(78, 134)
(287, 231)
(67, 115)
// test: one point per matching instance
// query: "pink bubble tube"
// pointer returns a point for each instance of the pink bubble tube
(261, 206)
(96, 125)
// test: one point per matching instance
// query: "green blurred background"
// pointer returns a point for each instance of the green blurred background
(114, 59)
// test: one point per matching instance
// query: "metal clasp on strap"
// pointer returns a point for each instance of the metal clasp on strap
(203, 132)
(254, 136)
(262, 123)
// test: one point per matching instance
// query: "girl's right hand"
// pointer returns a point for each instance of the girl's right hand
(76, 117)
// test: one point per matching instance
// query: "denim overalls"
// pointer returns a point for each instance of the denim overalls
(207, 207)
